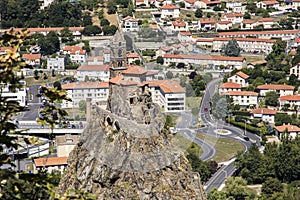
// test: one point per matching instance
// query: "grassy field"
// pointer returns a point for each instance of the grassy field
(253, 58)
(50, 79)
(226, 149)
(183, 144)
(193, 103)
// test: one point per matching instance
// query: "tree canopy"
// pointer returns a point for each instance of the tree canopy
(232, 48)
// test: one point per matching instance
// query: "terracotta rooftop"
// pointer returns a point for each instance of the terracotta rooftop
(169, 7)
(204, 57)
(249, 21)
(275, 87)
(207, 21)
(241, 93)
(93, 68)
(242, 74)
(224, 22)
(259, 32)
(179, 23)
(265, 111)
(97, 58)
(56, 29)
(230, 15)
(205, 39)
(134, 69)
(52, 161)
(245, 39)
(132, 55)
(290, 98)
(289, 128)
(297, 40)
(31, 56)
(209, 2)
(230, 85)
(268, 19)
(167, 86)
(187, 33)
(84, 85)
(270, 2)
(116, 80)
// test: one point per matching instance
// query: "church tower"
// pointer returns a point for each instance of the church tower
(118, 54)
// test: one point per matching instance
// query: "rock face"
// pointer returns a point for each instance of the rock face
(127, 153)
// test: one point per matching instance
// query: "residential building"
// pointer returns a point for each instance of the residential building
(33, 60)
(163, 50)
(240, 78)
(295, 70)
(281, 89)
(248, 24)
(179, 25)
(185, 36)
(189, 3)
(292, 100)
(205, 42)
(207, 4)
(132, 57)
(295, 4)
(65, 144)
(135, 73)
(20, 95)
(224, 25)
(97, 60)
(77, 54)
(232, 4)
(77, 91)
(205, 60)
(140, 3)
(235, 18)
(50, 163)
(292, 130)
(243, 98)
(106, 56)
(267, 23)
(229, 86)
(283, 34)
(130, 24)
(252, 45)
(268, 4)
(236, 7)
(207, 24)
(93, 72)
(45, 3)
(169, 11)
(264, 114)
(57, 63)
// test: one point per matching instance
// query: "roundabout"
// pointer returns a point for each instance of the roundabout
(222, 132)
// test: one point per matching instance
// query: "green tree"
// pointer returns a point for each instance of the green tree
(232, 48)
(271, 98)
(214, 194)
(198, 13)
(109, 30)
(50, 44)
(101, 14)
(247, 15)
(189, 91)
(91, 30)
(104, 22)
(66, 35)
(57, 85)
(236, 188)
(160, 60)
(111, 7)
(169, 75)
(286, 24)
(271, 186)
(82, 105)
(87, 19)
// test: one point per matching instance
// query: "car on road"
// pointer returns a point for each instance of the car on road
(246, 138)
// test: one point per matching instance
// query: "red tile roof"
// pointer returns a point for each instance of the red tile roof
(209, 2)
(297, 39)
(231, 15)
(167, 86)
(204, 57)
(116, 80)
(134, 69)
(275, 87)
(132, 55)
(265, 111)
(290, 98)
(231, 85)
(187, 33)
(207, 21)
(84, 85)
(224, 22)
(52, 161)
(205, 39)
(31, 56)
(245, 39)
(241, 93)
(190, 1)
(266, 19)
(242, 74)
(249, 21)
(270, 2)
(259, 32)
(93, 68)
(169, 7)
(289, 128)
(74, 49)
(179, 23)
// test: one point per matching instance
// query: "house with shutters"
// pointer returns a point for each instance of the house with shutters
(93, 72)
(281, 89)
(263, 114)
(229, 86)
(240, 78)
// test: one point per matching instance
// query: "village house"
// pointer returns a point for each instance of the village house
(57, 63)
(292, 130)
(185, 36)
(50, 163)
(267, 23)
(77, 54)
(252, 45)
(140, 3)
(229, 86)
(281, 89)
(65, 144)
(130, 24)
(295, 4)
(93, 72)
(207, 4)
(292, 100)
(248, 24)
(224, 25)
(132, 57)
(33, 60)
(236, 7)
(97, 60)
(205, 42)
(235, 18)
(169, 11)
(295, 70)
(283, 34)
(189, 3)
(207, 24)
(205, 60)
(243, 98)
(163, 50)
(19, 95)
(179, 25)
(77, 91)
(264, 114)
(240, 78)
(268, 4)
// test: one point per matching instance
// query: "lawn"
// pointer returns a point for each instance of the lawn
(193, 104)
(253, 58)
(31, 80)
(183, 144)
(226, 148)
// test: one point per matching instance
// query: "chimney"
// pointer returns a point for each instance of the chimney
(88, 109)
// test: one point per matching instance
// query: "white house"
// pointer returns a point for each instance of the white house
(292, 130)
(206, 24)
(77, 54)
(19, 95)
(264, 114)
(57, 63)
(268, 4)
(65, 144)
(267, 23)
(185, 36)
(292, 100)
(97, 60)
(205, 60)
(295, 70)
(295, 4)
(240, 78)
(224, 25)
(236, 6)
(77, 91)
(243, 98)
(132, 57)
(50, 163)
(32, 59)
(248, 24)
(205, 42)
(130, 24)
(207, 4)
(179, 25)
(96, 72)
(229, 86)
(163, 50)
(281, 89)
(169, 11)
(189, 3)
(142, 3)
(235, 18)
